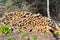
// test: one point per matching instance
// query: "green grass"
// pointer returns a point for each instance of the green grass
(24, 35)
(4, 29)
(10, 38)
(34, 37)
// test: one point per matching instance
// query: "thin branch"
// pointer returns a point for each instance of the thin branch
(48, 13)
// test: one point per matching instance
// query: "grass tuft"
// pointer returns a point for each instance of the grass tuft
(4, 29)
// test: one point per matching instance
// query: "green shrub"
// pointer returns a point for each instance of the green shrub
(4, 29)
(10, 38)
(3, 1)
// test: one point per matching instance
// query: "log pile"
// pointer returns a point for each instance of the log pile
(26, 21)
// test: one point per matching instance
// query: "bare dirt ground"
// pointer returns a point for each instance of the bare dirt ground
(47, 36)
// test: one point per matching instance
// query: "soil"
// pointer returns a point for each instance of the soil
(47, 36)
